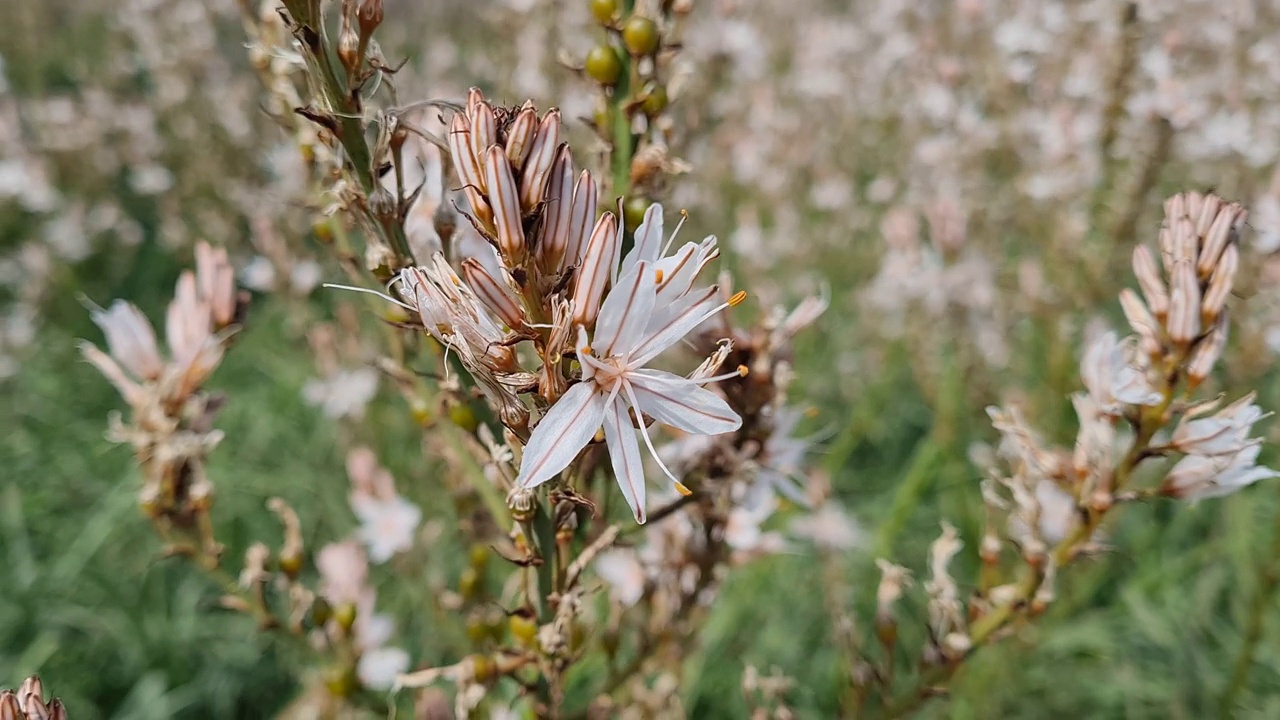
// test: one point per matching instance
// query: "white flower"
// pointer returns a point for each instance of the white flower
(1113, 375)
(1226, 432)
(632, 328)
(344, 394)
(830, 528)
(1196, 477)
(622, 570)
(378, 668)
(386, 525)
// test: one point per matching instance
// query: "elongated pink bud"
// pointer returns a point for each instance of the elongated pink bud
(1220, 283)
(1206, 354)
(506, 206)
(520, 137)
(1220, 234)
(1141, 321)
(474, 98)
(464, 161)
(1184, 305)
(1144, 267)
(557, 213)
(596, 269)
(585, 199)
(484, 133)
(496, 295)
(533, 181)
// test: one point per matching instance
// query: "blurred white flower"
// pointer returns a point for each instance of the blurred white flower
(378, 668)
(625, 576)
(1197, 477)
(830, 528)
(386, 526)
(343, 394)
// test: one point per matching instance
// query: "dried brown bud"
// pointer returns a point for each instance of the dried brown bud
(349, 48)
(369, 16)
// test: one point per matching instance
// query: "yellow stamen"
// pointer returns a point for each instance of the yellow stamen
(680, 488)
(599, 435)
(737, 298)
(742, 371)
(657, 280)
(586, 350)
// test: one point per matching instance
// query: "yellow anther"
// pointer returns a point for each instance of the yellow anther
(586, 350)
(742, 371)
(737, 298)
(680, 488)
(599, 437)
(657, 276)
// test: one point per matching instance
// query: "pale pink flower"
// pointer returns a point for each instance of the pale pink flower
(344, 571)
(387, 520)
(386, 526)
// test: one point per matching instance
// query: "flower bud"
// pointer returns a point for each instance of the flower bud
(542, 158)
(1183, 324)
(522, 502)
(505, 201)
(369, 15)
(1220, 283)
(1144, 268)
(1206, 354)
(520, 137)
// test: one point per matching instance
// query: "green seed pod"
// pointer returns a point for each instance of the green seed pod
(603, 65)
(641, 36)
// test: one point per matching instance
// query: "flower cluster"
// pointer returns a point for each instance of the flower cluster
(171, 423)
(1137, 405)
(562, 284)
(27, 703)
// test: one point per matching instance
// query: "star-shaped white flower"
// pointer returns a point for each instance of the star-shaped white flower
(632, 328)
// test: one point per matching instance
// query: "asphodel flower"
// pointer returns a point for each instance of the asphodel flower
(632, 329)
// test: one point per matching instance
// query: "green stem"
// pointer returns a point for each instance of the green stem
(1269, 579)
(910, 490)
(623, 141)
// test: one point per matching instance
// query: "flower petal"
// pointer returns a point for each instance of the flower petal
(624, 453)
(681, 403)
(566, 428)
(672, 323)
(625, 312)
(648, 240)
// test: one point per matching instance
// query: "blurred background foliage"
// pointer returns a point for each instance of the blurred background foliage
(130, 129)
